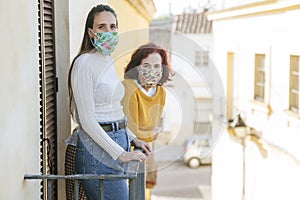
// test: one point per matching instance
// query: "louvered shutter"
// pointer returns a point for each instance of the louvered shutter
(48, 85)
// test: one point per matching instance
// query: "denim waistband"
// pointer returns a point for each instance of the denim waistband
(114, 126)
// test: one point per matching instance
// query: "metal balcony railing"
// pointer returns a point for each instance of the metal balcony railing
(135, 176)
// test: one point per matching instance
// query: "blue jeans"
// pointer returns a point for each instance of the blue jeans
(87, 163)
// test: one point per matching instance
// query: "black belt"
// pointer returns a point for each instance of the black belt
(113, 126)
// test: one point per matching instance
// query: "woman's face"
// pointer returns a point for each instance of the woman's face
(152, 61)
(150, 71)
(104, 22)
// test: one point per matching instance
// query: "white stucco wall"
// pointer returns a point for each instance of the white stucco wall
(273, 177)
(19, 138)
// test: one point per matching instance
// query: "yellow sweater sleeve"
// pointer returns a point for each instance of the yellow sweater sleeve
(143, 112)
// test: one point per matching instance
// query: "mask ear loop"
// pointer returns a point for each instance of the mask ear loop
(93, 33)
(92, 39)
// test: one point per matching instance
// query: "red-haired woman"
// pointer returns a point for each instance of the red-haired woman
(144, 98)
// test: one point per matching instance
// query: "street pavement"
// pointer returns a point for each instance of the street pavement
(176, 181)
(205, 190)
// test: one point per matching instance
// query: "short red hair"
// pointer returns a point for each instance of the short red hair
(141, 53)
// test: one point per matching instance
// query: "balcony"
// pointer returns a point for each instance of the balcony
(135, 176)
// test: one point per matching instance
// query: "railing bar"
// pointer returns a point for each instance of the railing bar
(140, 182)
(48, 189)
(136, 186)
(76, 189)
(132, 186)
(80, 176)
(101, 189)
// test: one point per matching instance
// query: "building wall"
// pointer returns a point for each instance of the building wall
(19, 144)
(274, 175)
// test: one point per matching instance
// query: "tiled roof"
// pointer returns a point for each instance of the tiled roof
(192, 23)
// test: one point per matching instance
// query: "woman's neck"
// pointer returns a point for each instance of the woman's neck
(146, 88)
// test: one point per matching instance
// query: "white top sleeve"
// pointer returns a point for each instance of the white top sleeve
(84, 79)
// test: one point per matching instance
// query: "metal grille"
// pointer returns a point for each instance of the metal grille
(48, 89)
(70, 170)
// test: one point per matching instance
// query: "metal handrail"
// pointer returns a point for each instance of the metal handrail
(136, 182)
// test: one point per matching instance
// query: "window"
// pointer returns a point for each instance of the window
(201, 58)
(261, 91)
(294, 84)
(259, 78)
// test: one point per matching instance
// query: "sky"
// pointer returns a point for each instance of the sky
(177, 6)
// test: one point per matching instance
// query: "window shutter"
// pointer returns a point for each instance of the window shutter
(48, 85)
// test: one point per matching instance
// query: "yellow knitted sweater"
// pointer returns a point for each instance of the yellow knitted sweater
(143, 112)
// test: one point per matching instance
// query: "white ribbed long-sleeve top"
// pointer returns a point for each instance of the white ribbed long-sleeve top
(97, 94)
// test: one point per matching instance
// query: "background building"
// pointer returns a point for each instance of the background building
(257, 56)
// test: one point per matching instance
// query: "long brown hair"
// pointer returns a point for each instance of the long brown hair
(86, 44)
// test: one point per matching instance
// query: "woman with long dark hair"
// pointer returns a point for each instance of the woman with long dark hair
(102, 138)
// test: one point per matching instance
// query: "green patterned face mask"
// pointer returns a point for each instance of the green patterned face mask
(105, 42)
(149, 77)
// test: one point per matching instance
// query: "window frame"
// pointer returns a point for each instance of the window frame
(260, 78)
(294, 88)
(201, 58)
(261, 84)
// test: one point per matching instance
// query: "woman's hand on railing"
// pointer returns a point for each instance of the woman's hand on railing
(142, 145)
(133, 155)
